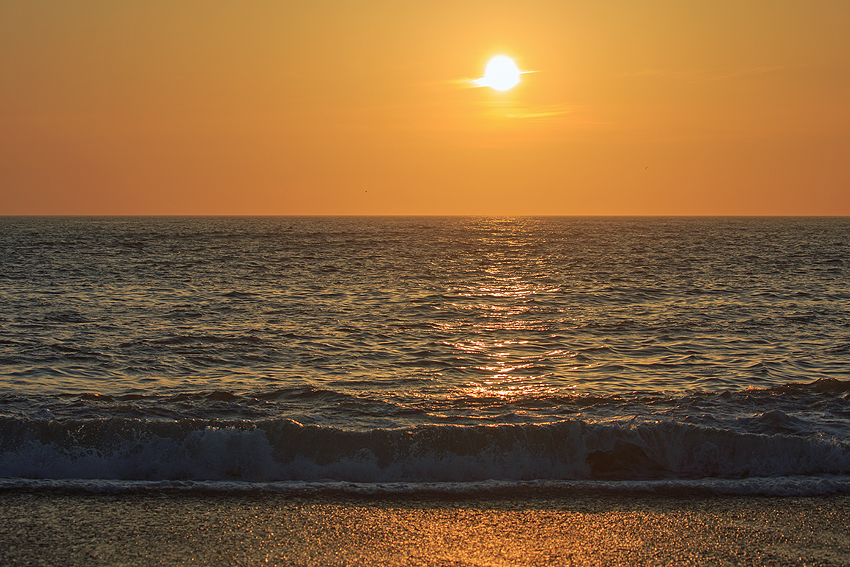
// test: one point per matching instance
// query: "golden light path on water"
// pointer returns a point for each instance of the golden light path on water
(513, 368)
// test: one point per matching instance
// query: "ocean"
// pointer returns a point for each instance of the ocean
(405, 355)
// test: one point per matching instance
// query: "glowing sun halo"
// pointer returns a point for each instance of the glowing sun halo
(501, 74)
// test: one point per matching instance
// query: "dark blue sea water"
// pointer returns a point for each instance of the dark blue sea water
(453, 353)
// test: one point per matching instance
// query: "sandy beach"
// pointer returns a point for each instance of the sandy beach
(168, 529)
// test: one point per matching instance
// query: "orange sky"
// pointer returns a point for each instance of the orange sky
(364, 107)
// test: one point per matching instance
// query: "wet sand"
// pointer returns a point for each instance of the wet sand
(179, 529)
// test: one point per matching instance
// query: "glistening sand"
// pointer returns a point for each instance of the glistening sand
(44, 528)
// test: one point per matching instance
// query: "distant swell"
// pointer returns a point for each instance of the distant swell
(283, 450)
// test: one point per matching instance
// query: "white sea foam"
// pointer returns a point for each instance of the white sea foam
(818, 485)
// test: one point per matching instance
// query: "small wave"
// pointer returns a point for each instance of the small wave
(821, 386)
(66, 316)
(239, 294)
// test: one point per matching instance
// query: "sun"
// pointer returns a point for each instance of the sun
(501, 74)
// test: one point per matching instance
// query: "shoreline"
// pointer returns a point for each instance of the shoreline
(48, 527)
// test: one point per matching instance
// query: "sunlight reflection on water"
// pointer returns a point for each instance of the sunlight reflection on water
(593, 304)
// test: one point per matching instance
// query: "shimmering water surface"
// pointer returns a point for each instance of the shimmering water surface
(424, 349)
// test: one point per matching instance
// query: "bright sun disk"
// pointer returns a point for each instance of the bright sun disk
(501, 74)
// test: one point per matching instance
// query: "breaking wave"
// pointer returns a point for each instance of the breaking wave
(284, 450)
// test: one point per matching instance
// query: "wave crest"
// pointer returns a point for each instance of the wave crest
(284, 450)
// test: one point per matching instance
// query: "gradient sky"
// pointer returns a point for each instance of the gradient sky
(280, 107)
